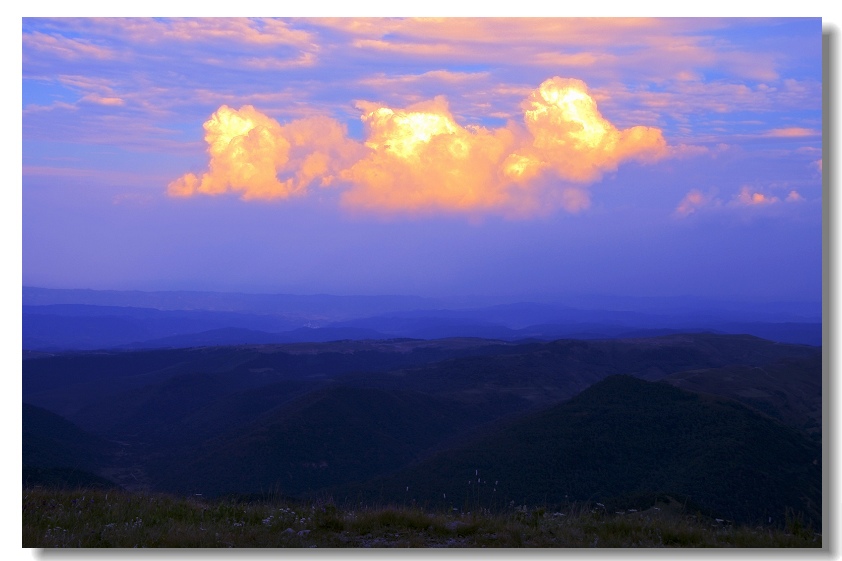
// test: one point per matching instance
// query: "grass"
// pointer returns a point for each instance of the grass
(86, 518)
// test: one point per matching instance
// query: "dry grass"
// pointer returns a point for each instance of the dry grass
(96, 518)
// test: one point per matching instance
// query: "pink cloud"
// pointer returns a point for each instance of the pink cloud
(65, 47)
(794, 197)
(749, 197)
(651, 46)
(693, 201)
(257, 31)
(101, 100)
(792, 132)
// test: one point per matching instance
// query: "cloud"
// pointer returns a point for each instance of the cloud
(304, 60)
(648, 48)
(693, 201)
(255, 31)
(419, 159)
(249, 151)
(65, 47)
(103, 100)
(683, 100)
(746, 197)
(792, 132)
(382, 80)
(581, 59)
(750, 197)
(571, 137)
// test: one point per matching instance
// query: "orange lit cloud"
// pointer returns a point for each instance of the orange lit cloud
(423, 160)
(572, 138)
(420, 159)
(249, 151)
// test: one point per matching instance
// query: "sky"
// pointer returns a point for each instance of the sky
(507, 158)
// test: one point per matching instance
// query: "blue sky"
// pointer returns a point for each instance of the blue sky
(516, 159)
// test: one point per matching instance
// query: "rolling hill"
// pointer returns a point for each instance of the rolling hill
(624, 442)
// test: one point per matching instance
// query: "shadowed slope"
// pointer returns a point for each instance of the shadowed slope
(626, 437)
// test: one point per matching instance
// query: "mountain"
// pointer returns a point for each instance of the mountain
(58, 320)
(549, 372)
(68, 382)
(622, 442)
(236, 336)
(56, 451)
(311, 418)
(88, 327)
(335, 435)
(292, 305)
(788, 389)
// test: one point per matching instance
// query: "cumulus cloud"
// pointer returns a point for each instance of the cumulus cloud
(571, 137)
(253, 154)
(420, 159)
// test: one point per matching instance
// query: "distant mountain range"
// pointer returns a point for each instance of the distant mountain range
(62, 320)
(727, 424)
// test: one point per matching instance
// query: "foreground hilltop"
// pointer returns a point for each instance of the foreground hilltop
(108, 518)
